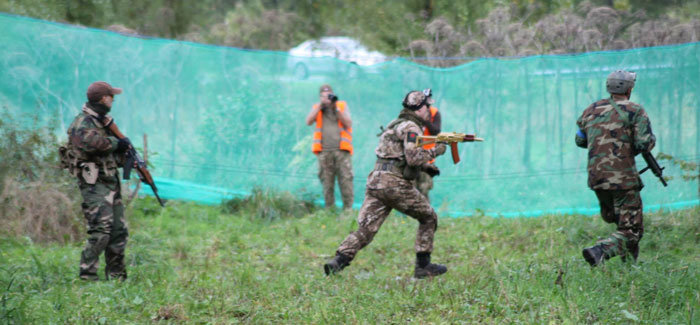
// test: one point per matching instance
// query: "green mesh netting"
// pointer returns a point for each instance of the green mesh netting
(223, 120)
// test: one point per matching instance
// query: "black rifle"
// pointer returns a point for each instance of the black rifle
(654, 166)
(134, 160)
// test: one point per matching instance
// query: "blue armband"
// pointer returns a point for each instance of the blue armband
(580, 134)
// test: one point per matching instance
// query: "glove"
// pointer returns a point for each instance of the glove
(431, 170)
(123, 144)
(440, 149)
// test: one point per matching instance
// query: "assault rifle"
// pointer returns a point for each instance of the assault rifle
(447, 137)
(654, 166)
(134, 160)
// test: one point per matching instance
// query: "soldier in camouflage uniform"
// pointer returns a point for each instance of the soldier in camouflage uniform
(332, 144)
(390, 186)
(615, 130)
(93, 154)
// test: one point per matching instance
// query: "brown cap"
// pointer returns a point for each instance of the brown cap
(325, 88)
(99, 89)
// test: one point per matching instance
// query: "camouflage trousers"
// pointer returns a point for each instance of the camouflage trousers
(424, 183)
(624, 208)
(332, 164)
(376, 207)
(107, 230)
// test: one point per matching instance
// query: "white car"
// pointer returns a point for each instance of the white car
(339, 47)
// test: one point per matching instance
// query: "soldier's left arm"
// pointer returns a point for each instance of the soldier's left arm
(344, 117)
(415, 155)
(91, 141)
(644, 139)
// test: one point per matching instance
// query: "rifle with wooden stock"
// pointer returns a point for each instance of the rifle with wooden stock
(134, 160)
(451, 138)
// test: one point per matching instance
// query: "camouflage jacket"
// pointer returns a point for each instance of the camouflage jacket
(398, 142)
(90, 142)
(614, 134)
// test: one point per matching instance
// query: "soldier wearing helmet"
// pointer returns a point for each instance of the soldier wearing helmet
(390, 186)
(615, 130)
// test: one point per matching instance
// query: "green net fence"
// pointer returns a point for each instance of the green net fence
(221, 121)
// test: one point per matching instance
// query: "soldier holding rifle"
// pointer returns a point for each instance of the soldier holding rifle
(390, 186)
(615, 130)
(94, 151)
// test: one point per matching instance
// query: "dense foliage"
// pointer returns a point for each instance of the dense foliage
(414, 27)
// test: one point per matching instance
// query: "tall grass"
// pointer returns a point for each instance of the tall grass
(199, 264)
(37, 198)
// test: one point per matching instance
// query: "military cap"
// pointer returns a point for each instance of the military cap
(99, 89)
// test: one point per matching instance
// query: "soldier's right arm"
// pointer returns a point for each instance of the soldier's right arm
(581, 138)
(89, 140)
(312, 114)
(644, 139)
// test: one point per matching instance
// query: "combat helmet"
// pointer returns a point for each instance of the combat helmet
(414, 100)
(620, 81)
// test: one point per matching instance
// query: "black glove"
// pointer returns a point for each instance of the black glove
(123, 144)
(431, 170)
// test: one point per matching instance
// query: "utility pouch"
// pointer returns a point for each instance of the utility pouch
(89, 172)
(68, 160)
(411, 172)
(63, 155)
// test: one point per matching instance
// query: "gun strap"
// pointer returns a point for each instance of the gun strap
(624, 117)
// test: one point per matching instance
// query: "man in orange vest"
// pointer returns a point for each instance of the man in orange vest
(332, 143)
(424, 182)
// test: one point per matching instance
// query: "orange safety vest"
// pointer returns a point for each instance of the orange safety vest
(345, 134)
(433, 112)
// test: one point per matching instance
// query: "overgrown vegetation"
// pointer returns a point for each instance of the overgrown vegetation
(192, 264)
(269, 204)
(37, 198)
(416, 28)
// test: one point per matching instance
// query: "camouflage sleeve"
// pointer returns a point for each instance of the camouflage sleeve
(581, 139)
(91, 141)
(644, 139)
(415, 156)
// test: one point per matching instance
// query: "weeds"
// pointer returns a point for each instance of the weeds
(270, 205)
(193, 264)
(37, 198)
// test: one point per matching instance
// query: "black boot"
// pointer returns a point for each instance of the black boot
(594, 255)
(339, 262)
(426, 269)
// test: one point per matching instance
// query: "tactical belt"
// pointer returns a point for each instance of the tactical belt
(389, 165)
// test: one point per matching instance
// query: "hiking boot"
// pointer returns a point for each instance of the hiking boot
(594, 255)
(89, 277)
(121, 276)
(429, 270)
(335, 265)
(426, 269)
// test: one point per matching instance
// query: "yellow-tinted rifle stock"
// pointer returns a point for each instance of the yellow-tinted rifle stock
(451, 138)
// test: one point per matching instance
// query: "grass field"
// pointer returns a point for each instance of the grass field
(197, 264)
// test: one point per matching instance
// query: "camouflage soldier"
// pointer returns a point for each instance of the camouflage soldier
(333, 146)
(615, 130)
(432, 126)
(93, 154)
(390, 186)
